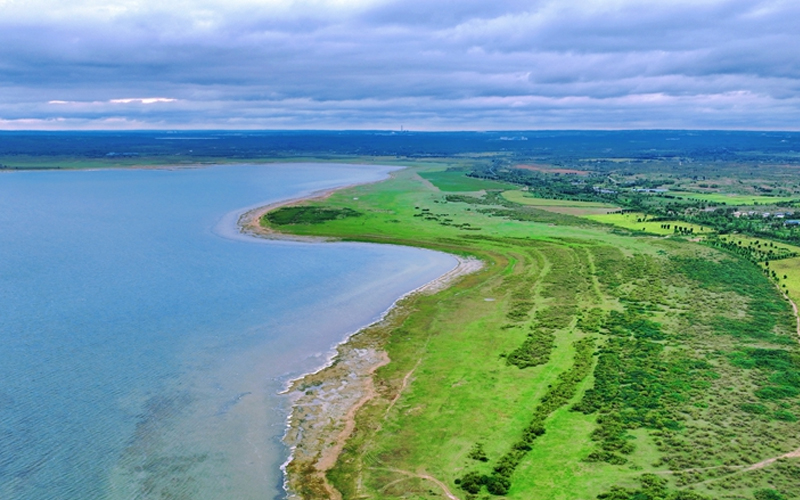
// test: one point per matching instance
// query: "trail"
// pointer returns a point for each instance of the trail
(764, 463)
(796, 315)
(402, 388)
(428, 477)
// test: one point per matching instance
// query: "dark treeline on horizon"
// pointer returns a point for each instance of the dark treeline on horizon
(562, 146)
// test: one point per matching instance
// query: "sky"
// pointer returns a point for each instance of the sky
(386, 64)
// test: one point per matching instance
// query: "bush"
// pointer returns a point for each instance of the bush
(308, 215)
(477, 453)
(785, 416)
(754, 408)
(472, 482)
(498, 485)
(768, 495)
(534, 351)
(777, 392)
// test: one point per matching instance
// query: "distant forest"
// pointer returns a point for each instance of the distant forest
(588, 149)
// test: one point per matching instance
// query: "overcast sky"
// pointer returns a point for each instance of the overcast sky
(380, 64)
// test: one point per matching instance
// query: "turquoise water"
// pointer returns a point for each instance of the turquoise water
(142, 344)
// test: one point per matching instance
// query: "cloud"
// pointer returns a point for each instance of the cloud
(127, 100)
(438, 64)
(141, 100)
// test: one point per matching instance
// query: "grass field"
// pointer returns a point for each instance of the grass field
(452, 180)
(745, 240)
(732, 199)
(566, 207)
(491, 397)
(788, 267)
(791, 269)
(638, 222)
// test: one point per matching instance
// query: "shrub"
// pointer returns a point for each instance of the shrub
(777, 392)
(767, 494)
(785, 416)
(754, 408)
(308, 215)
(477, 453)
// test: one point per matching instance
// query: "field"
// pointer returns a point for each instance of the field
(639, 222)
(567, 207)
(732, 199)
(454, 180)
(579, 362)
(788, 271)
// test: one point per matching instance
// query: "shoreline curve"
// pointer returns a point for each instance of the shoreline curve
(324, 402)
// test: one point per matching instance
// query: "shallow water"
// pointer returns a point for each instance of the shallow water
(142, 348)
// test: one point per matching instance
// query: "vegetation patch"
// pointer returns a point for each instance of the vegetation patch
(652, 488)
(534, 351)
(457, 180)
(499, 481)
(308, 215)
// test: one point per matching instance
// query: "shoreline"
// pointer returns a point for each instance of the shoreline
(324, 402)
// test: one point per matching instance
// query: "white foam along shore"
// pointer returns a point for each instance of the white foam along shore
(249, 224)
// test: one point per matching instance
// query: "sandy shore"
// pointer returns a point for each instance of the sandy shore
(250, 221)
(325, 402)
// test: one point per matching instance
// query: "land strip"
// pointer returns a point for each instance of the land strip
(680, 330)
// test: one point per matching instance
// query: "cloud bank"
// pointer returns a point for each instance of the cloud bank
(380, 64)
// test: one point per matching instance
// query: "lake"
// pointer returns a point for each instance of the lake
(143, 342)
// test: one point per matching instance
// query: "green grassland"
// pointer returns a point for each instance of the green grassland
(788, 272)
(750, 241)
(456, 180)
(638, 222)
(732, 199)
(567, 207)
(582, 362)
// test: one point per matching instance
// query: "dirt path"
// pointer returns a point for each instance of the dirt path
(738, 469)
(796, 315)
(402, 388)
(330, 455)
(764, 463)
(427, 477)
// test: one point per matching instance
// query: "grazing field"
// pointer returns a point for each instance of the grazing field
(763, 244)
(457, 180)
(639, 222)
(732, 199)
(788, 274)
(579, 363)
(567, 207)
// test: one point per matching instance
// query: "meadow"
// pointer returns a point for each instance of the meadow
(454, 180)
(581, 362)
(561, 206)
(732, 198)
(637, 221)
